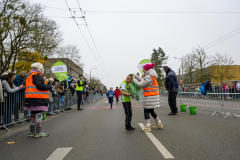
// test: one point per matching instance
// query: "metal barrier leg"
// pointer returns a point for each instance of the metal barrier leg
(216, 112)
(230, 114)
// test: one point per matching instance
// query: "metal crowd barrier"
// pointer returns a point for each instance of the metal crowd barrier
(231, 96)
(12, 109)
(218, 100)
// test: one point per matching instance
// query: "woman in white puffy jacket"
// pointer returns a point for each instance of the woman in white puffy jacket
(151, 95)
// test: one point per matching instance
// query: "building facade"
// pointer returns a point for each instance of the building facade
(72, 68)
(214, 74)
(225, 73)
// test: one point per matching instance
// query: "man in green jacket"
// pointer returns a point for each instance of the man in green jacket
(126, 100)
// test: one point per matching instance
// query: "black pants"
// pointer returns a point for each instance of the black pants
(128, 112)
(151, 111)
(79, 94)
(172, 96)
(110, 99)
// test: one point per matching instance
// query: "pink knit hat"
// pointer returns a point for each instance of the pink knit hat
(148, 66)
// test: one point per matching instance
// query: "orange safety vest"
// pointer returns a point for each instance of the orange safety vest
(32, 91)
(153, 89)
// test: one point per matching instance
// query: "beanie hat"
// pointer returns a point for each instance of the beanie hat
(148, 66)
(38, 66)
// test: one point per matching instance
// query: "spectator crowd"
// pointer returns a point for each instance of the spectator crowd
(12, 95)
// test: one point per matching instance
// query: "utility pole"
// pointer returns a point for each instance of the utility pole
(182, 70)
(182, 73)
(179, 77)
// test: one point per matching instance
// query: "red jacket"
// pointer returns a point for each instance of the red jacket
(117, 93)
(224, 86)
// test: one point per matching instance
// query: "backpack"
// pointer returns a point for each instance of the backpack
(202, 90)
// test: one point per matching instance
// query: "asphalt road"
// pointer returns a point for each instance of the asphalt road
(97, 133)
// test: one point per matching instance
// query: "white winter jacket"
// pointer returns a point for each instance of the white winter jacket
(150, 102)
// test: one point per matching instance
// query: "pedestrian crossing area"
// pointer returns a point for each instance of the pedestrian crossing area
(59, 153)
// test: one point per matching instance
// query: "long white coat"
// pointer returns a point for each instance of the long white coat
(150, 102)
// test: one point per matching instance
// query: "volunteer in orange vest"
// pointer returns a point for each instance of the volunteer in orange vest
(151, 95)
(36, 99)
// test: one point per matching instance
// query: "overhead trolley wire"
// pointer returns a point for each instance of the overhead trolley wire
(84, 37)
(162, 12)
(92, 37)
(124, 12)
(221, 40)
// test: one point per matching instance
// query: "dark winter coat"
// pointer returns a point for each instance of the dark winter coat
(171, 82)
(71, 87)
(38, 80)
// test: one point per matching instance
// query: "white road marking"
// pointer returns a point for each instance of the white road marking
(160, 147)
(59, 153)
(106, 102)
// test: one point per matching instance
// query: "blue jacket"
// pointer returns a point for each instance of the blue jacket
(171, 82)
(69, 78)
(110, 94)
(18, 81)
(19, 94)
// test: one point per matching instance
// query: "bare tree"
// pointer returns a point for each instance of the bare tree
(86, 77)
(94, 80)
(47, 36)
(189, 65)
(21, 27)
(203, 62)
(71, 52)
(220, 70)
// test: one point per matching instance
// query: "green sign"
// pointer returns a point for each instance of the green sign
(142, 63)
(60, 70)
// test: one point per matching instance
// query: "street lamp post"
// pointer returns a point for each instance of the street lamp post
(90, 74)
(182, 70)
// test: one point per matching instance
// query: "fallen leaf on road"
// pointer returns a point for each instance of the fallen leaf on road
(11, 142)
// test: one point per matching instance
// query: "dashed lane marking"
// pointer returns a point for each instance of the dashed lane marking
(160, 147)
(59, 153)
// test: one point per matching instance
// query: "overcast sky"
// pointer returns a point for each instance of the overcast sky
(124, 39)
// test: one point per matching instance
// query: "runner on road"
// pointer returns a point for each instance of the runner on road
(117, 94)
(126, 101)
(151, 95)
(110, 96)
